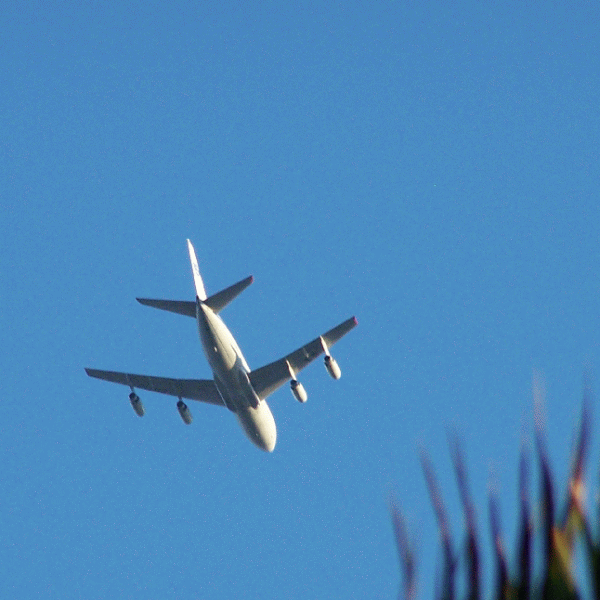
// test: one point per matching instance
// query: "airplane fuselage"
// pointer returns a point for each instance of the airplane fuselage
(234, 385)
(230, 372)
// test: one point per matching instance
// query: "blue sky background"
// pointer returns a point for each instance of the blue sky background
(432, 170)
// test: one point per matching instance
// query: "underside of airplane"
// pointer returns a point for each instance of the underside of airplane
(234, 385)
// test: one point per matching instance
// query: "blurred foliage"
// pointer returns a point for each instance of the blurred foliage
(559, 534)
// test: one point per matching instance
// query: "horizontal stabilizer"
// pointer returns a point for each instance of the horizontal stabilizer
(216, 302)
(221, 299)
(180, 307)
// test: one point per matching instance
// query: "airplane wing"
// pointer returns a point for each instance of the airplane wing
(203, 390)
(271, 377)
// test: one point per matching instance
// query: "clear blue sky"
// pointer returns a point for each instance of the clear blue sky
(432, 170)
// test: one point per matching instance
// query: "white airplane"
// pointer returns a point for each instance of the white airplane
(234, 385)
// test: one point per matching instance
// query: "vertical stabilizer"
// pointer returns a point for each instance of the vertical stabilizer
(198, 283)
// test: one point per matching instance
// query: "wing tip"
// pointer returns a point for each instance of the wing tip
(355, 320)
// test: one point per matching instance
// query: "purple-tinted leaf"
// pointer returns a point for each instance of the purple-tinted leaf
(405, 553)
(525, 531)
(472, 550)
(501, 564)
(440, 512)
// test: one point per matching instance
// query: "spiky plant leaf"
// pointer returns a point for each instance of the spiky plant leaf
(559, 536)
(406, 553)
(523, 581)
(503, 590)
(472, 548)
(447, 592)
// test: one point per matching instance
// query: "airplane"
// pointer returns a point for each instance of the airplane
(234, 385)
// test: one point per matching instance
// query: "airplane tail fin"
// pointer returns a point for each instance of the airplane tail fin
(216, 302)
(198, 283)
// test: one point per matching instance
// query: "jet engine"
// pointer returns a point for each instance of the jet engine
(298, 391)
(137, 405)
(184, 412)
(332, 367)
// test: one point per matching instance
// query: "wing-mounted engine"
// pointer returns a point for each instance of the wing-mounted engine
(330, 363)
(184, 412)
(136, 403)
(297, 388)
(298, 391)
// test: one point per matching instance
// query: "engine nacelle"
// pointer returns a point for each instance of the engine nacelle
(298, 391)
(184, 412)
(332, 367)
(137, 405)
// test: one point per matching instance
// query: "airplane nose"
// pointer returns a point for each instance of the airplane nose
(259, 425)
(266, 438)
(265, 429)
(269, 434)
(270, 444)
